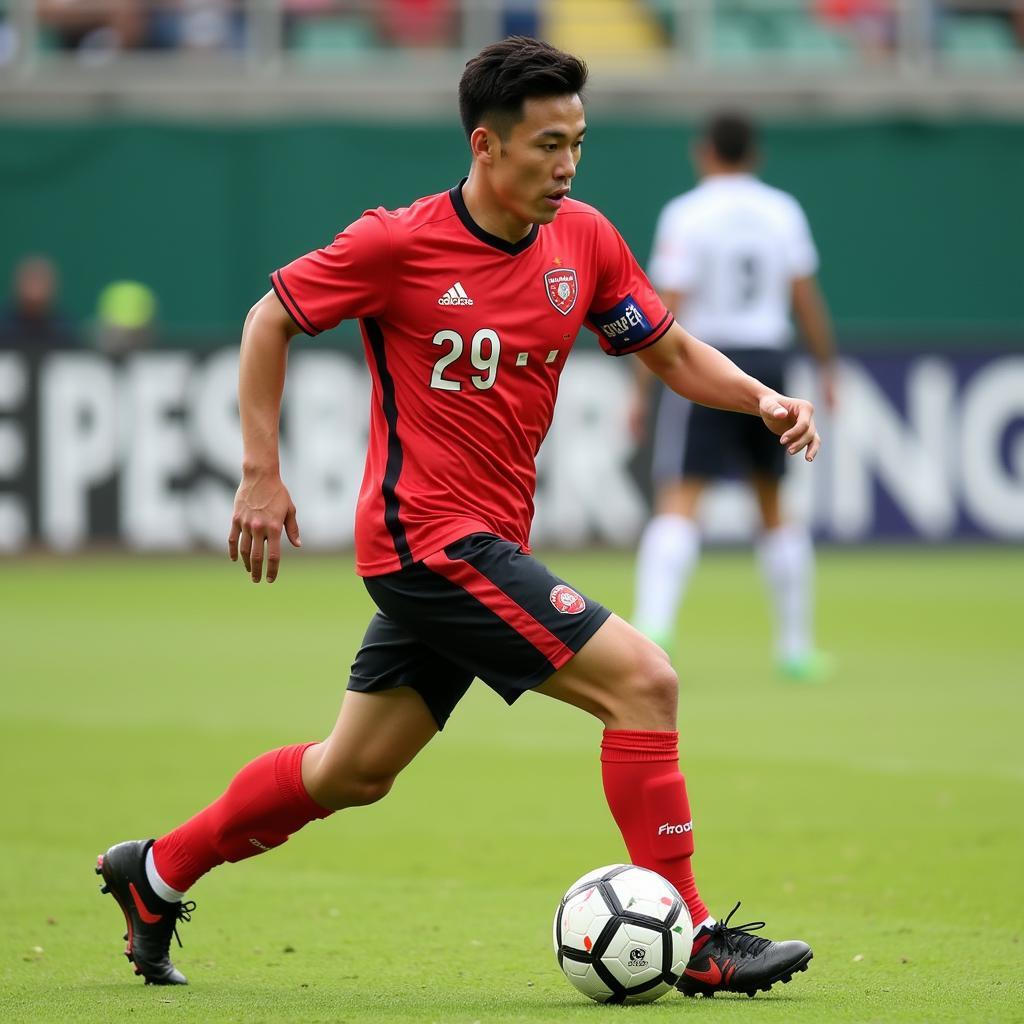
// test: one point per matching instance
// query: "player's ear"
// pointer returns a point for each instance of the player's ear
(481, 144)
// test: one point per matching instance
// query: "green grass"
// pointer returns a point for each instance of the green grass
(878, 816)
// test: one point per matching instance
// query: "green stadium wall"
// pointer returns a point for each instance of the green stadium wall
(920, 224)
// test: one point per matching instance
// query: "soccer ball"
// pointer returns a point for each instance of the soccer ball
(622, 935)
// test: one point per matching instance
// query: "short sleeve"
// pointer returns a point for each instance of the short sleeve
(345, 280)
(801, 254)
(674, 265)
(625, 312)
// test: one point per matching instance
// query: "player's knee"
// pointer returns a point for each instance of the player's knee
(652, 688)
(653, 685)
(369, 790)
(644, 696)
(355, 790)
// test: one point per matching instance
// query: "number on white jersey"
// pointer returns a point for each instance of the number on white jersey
(749, 280)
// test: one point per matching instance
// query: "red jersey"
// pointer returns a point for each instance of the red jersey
(465, 335)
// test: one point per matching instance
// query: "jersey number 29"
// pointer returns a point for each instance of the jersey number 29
(488, 363)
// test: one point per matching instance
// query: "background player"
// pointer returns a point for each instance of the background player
(469, 303)
(731, 258)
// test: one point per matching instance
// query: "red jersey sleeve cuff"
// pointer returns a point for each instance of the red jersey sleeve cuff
(302, 321)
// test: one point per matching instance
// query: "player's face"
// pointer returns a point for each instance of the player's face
(534, 169)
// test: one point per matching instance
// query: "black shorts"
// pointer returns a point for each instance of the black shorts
(481, 607)
(695, 441)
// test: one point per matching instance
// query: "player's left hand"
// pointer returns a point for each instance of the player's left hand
(793, 420)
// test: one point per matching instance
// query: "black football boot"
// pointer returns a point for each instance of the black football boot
(151, 921)
(727, 959)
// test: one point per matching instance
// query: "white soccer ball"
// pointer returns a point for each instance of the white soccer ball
(622, 934)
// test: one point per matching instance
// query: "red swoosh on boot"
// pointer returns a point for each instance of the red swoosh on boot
(145, 914)
(712, 976)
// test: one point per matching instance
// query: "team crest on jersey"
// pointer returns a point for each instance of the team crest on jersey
(566, 600)
(562, 289)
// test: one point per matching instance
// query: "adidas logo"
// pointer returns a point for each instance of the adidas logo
(455, 296)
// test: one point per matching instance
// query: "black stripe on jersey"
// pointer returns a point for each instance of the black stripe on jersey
(396, 456)
(659, 332)
(302, 321)
(512, 248)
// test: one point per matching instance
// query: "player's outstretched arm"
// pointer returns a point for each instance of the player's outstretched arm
(263, 505)
(702, 374)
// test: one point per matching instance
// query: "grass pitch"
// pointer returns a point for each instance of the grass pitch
(878, 815)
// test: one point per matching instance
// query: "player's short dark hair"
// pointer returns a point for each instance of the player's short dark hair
(501, 76)
(732, 136)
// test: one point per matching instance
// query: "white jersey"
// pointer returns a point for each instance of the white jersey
(734, 245)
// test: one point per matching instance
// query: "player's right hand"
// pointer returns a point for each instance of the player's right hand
(263, 507)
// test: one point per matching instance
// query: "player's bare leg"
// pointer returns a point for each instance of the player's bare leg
(271, 798)
(680, 498)
(786, 555)
(767, 491)
(375, 737)
(621, 678)
(666, 557)
(627, 682)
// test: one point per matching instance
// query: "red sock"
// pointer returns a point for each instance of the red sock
(647, 796)
(265, 803)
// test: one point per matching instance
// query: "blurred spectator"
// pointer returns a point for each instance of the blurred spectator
(417, 22)
(32, 320)
(870, 24)
(98, 29)
(95, 28)
(197, 25)
(8, 40)
(125, 317)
